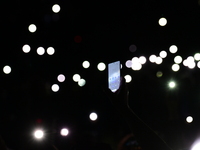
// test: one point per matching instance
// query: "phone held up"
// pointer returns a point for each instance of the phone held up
(114, 76)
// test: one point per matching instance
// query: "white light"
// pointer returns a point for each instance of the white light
(142, 59)
(152, 58)
(190, 59)
(40, 50)
(93, 116)
(162, 21)
(196, 145)
(38, 134)
(61, 78)
(136, 66)
(185, 62)
(178, 59)
(173, 49)
(197, 56)
(191, 65)
(101, 66)
(172, 84)
(198, 64)
(6, 69)
(159, 60)
(50, 50)
(55, 87)
(32, 28)
(86, 64)
(175, 67)
(135, 59)
(64, 132)
(76, 77)
(81, 82)
(163, 54)
(189, 119)
(26, 48)
(56, 8)
(128, 63)
(128, 78)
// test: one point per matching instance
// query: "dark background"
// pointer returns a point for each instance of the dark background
(107, 29)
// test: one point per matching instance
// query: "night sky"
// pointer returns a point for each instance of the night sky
(97, 32)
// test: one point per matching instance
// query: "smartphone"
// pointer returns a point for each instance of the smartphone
(114, 76)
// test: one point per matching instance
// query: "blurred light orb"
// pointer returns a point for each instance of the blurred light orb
(136, 66)
(50, 50)
(173, 49)
(38, 134)
(163, 54)
(172, 84)
(128, 63)
(175, 67)
(26, 48)
(191, 65)
(152, 58)
(61, 78)
(185, 63)
(101, 66)
(76, 77)
(197, 56)
(189, 119)
(32, 28)
(142, 60)
(86, 64)
(198, 64)
(81, 82)
(93, 116)
(159, 60)
(178, 59)
(64, 132)
(40, 51)
(55, 87)
(56, 8)
(162, 21)
(159, 74)
(7, 69)
(196, 145)
(132, 48)
(128, 78)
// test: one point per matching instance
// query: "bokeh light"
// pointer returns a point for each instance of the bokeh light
(26, 48)
(56, 8)
(50, 50)
(64, 132)
(189, 119)
(196, 145)
(172, 84)
(175, 67)
(162, 21)
(93, 116)
(101, 66)
(163, 54)
(7, 69)
(197, 56)
(152, 58)
(159, 60)
(142, 59)
(128, 64)
(173, 49)
(76, 77)
(198, 64)
(159, 74)
(86, 64)
(132, 48)
(32, 28)
(55, 87)
(178, 59)
(61, 78)
(136, 66)
(40, 51)
(38, 134)
(190, 62)
(81, 82)
(128, 78)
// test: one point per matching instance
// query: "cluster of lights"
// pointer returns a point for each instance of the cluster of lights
(40, 50)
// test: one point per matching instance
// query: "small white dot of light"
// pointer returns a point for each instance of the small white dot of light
(173, 49)
(38, 134)
(81, 82)
(121, 66)
(26, 48)
(175, 67)
(101, 66)
(136, 66)
(64, 132)
(178, 59)
(93, 116)
(61, 78)
(172, 84)
(55, 87)
(162, 21)
(185, 63)
(159, 60)
(32, 28)
(76, 77)
(56, 8)
(163, 54)
(86, 64)
(191, 65)
(128, 63)
(6, 69)
(197, 56)
(128, 78)
(189, 119)
(198, 64)
(50, 50)
(40, 50)
(152, 58)
(142, 59)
